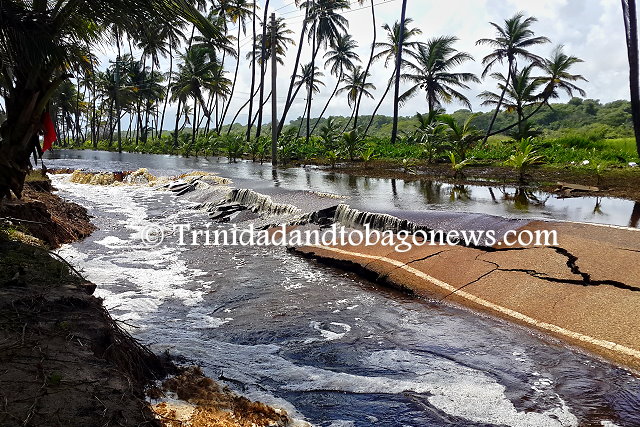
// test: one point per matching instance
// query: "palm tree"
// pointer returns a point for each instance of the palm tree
(252, 94)
(153, 47)
(339, 59)
(512, 42)
(371, 56)
(262, 53)
(629, 12)
(399, 65)
(175, 36)
(388, 52)
(431, 72)
(355, 86)
(326, 25)
(557, 77)
(463, 135)
(195, 75)
(236, 11)
(520, 93)
(307, 79)
(41, 42)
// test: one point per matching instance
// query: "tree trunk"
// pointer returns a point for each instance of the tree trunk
(631, 29)
(310, 92)
(292, 84)
(233, 86)
(263, 66)
(324, 110)
(495, 114)
(366, 71)
(175, 132)
(396, 107)
(253, 76)
(166, 99)
(384, 95)
(194, 127)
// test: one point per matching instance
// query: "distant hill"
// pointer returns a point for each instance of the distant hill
(611, 120)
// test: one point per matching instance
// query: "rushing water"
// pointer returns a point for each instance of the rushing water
(372, 194)
(329, 347)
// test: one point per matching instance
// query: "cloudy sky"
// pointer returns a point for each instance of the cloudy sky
(589, 29)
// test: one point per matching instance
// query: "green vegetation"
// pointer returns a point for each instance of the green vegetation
(428, 138)
(122, 105)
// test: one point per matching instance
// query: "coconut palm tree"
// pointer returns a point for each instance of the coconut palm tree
(196, 75)
(356, 85)
(629, 12)
(325, 24)
(262, 52)
(41, 42)
(238, 12)
(153, 46)
(431, 71)
(557, 77)
(175, 36)
(462, 135)
(342, 57)
(307, 78)
(371, 56)
(511, 43)
(398, 68)
(388, 51)
(517, 95)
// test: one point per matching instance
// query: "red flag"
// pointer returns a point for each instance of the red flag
(49, 132)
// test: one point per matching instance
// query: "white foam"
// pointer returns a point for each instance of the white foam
(155, 274)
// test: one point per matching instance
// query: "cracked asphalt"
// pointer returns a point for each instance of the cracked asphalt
(585, 291)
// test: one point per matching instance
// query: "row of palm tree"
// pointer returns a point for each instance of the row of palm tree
(200, 50)
(429, 66)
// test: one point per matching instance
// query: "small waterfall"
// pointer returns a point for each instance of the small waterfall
(260, 203)
(354, 218)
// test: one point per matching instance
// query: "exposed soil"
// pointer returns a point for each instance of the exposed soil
(622, 182)
(64, 360)
(46, 216)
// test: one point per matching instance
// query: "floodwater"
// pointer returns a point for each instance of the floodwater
(331, 348)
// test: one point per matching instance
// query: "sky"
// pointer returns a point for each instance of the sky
(592, 30)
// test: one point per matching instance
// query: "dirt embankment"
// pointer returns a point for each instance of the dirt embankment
(44, 215)
(65, 361)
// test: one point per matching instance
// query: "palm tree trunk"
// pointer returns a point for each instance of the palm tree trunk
(175, 132)
(384, 95)
(371, 56)
(396, 107)
(310, 95)
(631, 28)
(500, 101)
(263, 66)
(117, 92)
(194, 127)
(249, 118)
(235, 79)
(289, 100)
(324, 110)
(166, 96)
(253, 77)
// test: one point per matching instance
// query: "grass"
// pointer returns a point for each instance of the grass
(572, 149)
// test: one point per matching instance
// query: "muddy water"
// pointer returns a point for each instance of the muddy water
(327, 346)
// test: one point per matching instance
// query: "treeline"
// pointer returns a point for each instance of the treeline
(129, 98)
(589, 116)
